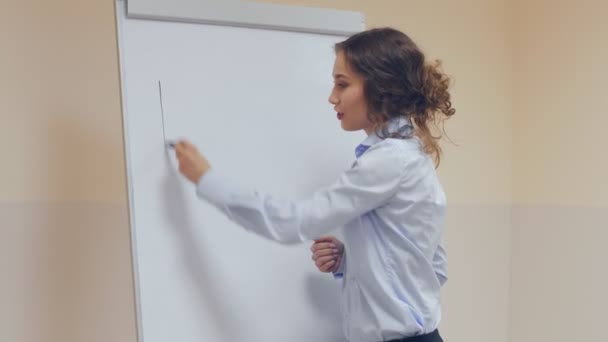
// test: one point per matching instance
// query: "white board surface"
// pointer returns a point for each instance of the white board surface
(255, 102)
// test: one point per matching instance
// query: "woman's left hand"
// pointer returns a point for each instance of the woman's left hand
(327, 253)
(192, 164)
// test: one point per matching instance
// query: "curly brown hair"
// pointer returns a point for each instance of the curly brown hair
(400, 83)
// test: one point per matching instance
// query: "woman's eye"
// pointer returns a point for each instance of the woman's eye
(341, 85)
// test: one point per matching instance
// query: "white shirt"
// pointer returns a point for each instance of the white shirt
(391, 207)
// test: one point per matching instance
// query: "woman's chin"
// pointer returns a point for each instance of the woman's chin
(345, 126)
(348, 128)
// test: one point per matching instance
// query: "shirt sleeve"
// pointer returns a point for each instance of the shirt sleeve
(372, 180)
(440, 264)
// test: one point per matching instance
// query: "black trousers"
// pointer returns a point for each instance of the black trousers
(431, 337)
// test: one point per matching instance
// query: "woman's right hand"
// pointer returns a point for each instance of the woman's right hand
(327, 253)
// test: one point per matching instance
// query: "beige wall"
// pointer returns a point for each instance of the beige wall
(560, 195)
(64, 242)
(61, 129)
(64, 239)
(561, 100)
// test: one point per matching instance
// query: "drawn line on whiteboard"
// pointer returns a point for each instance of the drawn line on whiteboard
(170, 144)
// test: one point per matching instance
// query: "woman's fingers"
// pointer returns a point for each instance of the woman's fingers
(322, 245)
(323, 260)
(327, 238)
(327, 267)
(325, 252)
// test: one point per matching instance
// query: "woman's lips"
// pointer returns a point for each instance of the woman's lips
(340, 116)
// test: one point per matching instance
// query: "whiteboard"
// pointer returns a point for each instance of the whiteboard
(255, 102)
(250, 14)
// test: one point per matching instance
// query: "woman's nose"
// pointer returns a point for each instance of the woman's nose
(332, 98)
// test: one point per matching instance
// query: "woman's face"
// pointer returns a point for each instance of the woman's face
(348, 97)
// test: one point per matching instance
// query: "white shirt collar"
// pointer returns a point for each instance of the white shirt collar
(394, 125)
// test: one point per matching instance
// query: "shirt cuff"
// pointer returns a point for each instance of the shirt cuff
(339, 273)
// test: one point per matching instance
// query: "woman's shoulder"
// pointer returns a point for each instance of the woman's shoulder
(394, 158)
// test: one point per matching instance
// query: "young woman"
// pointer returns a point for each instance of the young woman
(390, 203)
